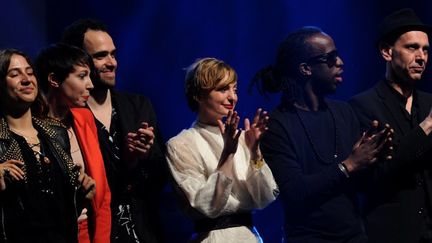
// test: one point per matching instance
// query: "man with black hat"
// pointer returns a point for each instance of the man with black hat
(397, 202)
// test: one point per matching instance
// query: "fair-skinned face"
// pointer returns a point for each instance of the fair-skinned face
(101, 48)
(76, 87)
(217, 104)
(325, 77)
(21, 83)
(407, 57)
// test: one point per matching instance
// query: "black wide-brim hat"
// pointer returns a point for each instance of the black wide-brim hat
(400, 22)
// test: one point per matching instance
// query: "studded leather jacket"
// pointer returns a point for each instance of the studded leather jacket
(11, 200)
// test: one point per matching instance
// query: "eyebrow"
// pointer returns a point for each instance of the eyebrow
(103, 53)
(17, 69)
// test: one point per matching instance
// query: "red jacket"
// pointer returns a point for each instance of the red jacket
(86, 132)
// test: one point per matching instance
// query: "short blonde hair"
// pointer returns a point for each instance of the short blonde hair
(205, 75)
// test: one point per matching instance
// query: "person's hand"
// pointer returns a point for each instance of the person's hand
(87, 185)
(83, 216)
(230, 133)
(426, 124)
(140, 143)
(10, 169)
(254, 132)
(387, 150)
(368, 147)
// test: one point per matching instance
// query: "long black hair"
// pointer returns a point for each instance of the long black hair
(283, 75)
(39, 107)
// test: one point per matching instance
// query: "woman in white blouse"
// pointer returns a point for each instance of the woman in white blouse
(218, 168)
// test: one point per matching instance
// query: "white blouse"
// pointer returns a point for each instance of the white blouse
(193, 156)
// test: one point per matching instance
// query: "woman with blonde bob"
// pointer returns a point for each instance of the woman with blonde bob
(217, 167)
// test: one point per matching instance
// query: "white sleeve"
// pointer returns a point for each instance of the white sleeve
(259, 182)
(261, 186)
(209, 193)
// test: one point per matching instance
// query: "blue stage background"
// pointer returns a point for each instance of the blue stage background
(157, 39)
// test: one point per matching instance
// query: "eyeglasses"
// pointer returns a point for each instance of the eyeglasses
(329, 58)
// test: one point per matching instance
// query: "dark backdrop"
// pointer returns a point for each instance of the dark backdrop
(156, 39)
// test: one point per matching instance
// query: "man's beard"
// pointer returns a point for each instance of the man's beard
(100, 83)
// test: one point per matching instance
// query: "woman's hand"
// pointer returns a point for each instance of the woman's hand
(254, 132)
(230, 133)
(11, 169)
(87, 185)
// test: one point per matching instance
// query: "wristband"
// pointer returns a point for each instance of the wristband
(257, 163)
(344, 169)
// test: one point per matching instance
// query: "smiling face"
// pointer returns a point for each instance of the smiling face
(21, 84)
(100, 46)
(407, 57)
(327, 67)
(218, 102)
(76, 87)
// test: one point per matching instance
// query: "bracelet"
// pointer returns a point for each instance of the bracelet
(257, 163)
(344, 169)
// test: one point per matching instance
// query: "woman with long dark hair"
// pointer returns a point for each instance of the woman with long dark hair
(39, 181)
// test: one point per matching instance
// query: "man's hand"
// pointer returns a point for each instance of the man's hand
(426, 124)
(139, 143)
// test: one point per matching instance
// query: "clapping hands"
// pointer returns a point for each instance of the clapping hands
(368, 148)
(139, 143)
(253, 132)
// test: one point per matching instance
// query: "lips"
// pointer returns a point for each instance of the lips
(338, 77)
(27, 90)
(229, 107)
(418, 69)
(85, 97)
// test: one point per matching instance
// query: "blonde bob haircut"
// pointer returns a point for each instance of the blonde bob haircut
(205, 75)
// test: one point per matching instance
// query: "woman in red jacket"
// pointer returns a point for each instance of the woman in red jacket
(64, 74)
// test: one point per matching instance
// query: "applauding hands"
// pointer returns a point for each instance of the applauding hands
(368, 148)
(253, 133)
(141, 141)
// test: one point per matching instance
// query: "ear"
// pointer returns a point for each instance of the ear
(52, 80)
(386, 51)
(305, 69)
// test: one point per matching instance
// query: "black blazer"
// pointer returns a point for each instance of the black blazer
(139, 181)
(397, 192)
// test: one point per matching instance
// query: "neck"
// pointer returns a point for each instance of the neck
(205, 120)
(99, 98)
(403, 90)
(401, 87)
(309, 100)
(57, 108)
(20, 123)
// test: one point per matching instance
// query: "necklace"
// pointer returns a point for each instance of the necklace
(35, 147)
(313, 145)
(28, 138)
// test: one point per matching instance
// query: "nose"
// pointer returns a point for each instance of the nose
(421, 56)
(111, 61)
(89, 84)
(232, 95)
(26, 79)
(339, 62)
